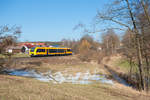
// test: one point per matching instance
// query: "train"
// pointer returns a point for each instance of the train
(49, 51)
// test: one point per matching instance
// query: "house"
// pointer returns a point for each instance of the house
(13, 49)
(25, 46)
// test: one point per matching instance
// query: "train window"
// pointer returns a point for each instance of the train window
(40, 50)
(61, 50)
(52, 50)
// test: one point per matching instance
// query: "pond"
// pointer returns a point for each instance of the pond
(59, 77)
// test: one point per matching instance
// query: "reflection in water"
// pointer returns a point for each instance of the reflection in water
(120, 80)
(58, 77)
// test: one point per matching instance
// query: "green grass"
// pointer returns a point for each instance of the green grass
(123, 64)
(2, 56)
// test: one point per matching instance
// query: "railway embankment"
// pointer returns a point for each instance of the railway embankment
(124, 79)
(33, 62)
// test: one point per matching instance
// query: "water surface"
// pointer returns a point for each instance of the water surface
(59, 77)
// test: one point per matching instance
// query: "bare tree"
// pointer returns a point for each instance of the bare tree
(8, 36)
(110, 42)
(145, 5)
(125, 14)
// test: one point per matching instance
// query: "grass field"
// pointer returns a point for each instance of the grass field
(118, 63)
(21, 88)
(123, 64)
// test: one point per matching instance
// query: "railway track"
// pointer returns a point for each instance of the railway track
(22, 62)
(44, 57)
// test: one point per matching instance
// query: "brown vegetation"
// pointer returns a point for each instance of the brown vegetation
(127, 14)
(8, 36)
(29, 88)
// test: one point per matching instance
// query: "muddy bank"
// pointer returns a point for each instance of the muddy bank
(122, 78)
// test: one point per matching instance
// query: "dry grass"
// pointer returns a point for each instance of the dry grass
(21, 55)
(16, 55)
(18, 88)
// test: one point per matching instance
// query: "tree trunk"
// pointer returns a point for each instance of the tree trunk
(144, 48)
(138, 46)
(147, 72)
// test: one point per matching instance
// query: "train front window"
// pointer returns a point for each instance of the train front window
(32, 49)
(40, 50)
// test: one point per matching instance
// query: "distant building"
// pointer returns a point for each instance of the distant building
(25, 46)
(99, 48)
(13, 49)
(31, 44)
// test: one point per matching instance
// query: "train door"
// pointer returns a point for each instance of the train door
(65, 51)
(47, 51)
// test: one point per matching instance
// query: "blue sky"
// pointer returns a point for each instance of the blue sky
(48, 20)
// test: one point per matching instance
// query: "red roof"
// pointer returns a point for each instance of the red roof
(31, 44)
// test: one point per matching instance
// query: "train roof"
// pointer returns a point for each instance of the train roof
(53, 47)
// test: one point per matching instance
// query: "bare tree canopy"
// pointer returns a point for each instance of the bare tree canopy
(110, 42)
(8, 36)
(132, 16)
